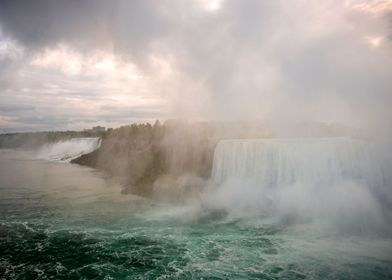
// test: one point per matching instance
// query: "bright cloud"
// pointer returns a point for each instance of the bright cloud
(370, 6)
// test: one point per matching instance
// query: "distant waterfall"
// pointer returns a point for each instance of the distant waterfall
(65, 151)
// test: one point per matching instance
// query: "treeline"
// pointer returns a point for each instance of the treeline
(29, 140)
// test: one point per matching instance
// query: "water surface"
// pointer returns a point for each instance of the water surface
(63, 221)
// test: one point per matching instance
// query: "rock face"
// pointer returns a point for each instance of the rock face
(141, 154)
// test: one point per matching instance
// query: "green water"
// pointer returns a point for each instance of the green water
(62, 221)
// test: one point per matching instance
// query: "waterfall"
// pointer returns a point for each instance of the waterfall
(337, 179)
(65, 151)
(279, 162)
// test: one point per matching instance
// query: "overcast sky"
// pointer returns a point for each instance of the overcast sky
(73, 64)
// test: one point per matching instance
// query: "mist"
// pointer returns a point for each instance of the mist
(200, 139)
(340, 185)
(221, 70)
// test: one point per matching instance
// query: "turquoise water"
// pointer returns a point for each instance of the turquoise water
(62, 221)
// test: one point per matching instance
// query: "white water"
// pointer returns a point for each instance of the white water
(65, 151)
(334, 180)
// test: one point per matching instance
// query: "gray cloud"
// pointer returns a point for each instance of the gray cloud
(126, 26)
(247, 60)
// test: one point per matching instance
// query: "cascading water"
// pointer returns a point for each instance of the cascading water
(274, 163)
(338, 180)
(65, 151)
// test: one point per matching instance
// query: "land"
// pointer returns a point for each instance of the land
(140, 155)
